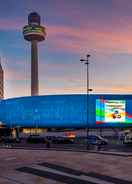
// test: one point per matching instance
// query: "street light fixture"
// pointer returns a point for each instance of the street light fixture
(86, 61)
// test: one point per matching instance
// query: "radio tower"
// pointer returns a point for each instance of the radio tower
(34, 33)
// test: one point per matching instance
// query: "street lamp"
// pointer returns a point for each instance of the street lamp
(86, 61)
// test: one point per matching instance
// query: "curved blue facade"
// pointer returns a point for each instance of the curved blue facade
(67, 111)
(44, 111)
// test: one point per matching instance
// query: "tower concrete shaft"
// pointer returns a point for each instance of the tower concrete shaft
(34, 69)
(1, 82)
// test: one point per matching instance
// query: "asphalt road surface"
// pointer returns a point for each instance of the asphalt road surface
(19, 166)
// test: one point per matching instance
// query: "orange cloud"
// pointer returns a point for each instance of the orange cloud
(113, 89)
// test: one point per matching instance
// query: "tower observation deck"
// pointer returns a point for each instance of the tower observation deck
(34, 33)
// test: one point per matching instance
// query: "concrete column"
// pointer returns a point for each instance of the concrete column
(34, 69)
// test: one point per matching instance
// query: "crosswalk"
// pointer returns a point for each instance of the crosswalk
(67, 175)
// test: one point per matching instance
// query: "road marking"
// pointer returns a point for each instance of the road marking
(61, 168)
(70, 176)
(81, 173)
(82, 177)
(10, 158)
(54, 176)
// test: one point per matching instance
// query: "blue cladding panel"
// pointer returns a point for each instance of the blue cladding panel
(44, 111)
(57, 111)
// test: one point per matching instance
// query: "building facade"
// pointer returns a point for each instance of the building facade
(67, 111)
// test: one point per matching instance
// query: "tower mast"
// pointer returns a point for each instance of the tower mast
(34, 33)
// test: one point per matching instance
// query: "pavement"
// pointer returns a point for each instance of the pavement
(116, 148)
(67, 149)
(25, 166)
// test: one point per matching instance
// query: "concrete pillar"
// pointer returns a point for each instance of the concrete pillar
(17, 133)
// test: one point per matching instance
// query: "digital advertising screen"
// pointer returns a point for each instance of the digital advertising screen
(113, 111)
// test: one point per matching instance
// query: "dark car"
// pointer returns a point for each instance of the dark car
(35, 139)
(10, 140)
(62, 140)
(96, 140)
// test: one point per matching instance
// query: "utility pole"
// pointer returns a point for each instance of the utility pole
(86, 61)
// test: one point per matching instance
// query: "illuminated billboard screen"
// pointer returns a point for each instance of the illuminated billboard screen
(113, 111)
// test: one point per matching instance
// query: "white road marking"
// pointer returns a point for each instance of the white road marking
(82, 177)
(10, 158)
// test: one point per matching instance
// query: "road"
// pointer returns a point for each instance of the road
(59, 167)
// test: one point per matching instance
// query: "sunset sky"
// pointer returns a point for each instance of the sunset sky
(101, 28)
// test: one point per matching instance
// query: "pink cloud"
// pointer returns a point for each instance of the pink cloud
(10, 24)
(76, 39)
(16, 74)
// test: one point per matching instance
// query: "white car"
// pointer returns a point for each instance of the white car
(128, 138)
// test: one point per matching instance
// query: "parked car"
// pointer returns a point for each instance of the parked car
(96, 140)
(36, 139)
(10, 140)
(62, 140)
(128, 138)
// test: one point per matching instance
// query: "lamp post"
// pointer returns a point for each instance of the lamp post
(86, 61)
